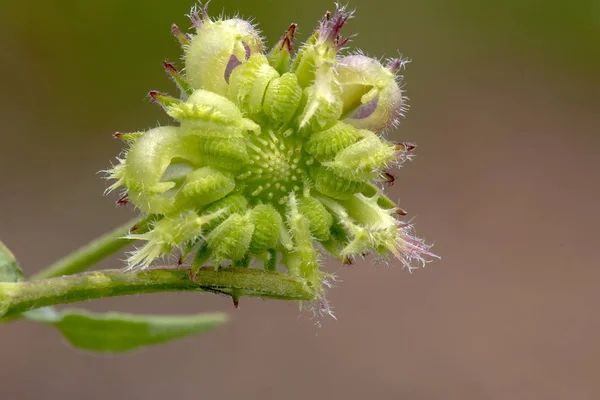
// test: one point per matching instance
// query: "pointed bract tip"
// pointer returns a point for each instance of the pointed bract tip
(401, 211)
(169, 67)
(162, 100)
(181, 37)
(236, 300)
(331, 25)
(405, 146)
(199, 15)
(389, 178)
(288, 38)
(127, 137)
(177, 77)
(123, 200)
(395, 65)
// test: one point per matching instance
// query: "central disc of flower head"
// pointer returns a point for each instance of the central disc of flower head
(275, 167)
(270, 155)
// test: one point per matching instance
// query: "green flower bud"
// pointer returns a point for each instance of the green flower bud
(144, 169)
(303, 260)
(334, 185)
(282, 98)
(209, 114)
(216, 49)
(231, 239)
(267, 223)
(233, 203)
(364, 159)
(204, 186)
(226, 153)
(249, 82)
(168, 234)
(372, 98)
(326, 144)
(319, 219)
(274, 156)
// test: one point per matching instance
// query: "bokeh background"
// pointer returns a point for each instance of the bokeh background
(505, 110)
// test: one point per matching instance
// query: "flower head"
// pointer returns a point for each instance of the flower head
(272, 155)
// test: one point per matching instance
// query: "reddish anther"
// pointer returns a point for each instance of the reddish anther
(156, 97)
(404, 146)
(341, 44)
(124, 200)
(161, 99)
(169, 67)
(117, 135)
(288, 38)
(389, 178)
(154, 94)
(400, 211)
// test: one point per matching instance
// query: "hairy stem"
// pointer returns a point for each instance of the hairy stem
(91, 253)
(16, 298)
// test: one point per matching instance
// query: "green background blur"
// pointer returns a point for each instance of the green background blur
(504, 108)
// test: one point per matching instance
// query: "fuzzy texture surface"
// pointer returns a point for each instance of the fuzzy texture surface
(275, 158)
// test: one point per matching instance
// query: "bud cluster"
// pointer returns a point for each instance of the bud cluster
(273, 156)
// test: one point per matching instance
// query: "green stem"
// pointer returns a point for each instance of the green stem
(91, 253)
(16, 298)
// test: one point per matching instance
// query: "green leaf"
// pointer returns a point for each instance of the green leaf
(9, 267)
(118, 332)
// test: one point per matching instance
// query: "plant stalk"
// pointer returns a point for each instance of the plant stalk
(16, 298)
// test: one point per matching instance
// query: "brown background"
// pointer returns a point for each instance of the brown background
(504, 108)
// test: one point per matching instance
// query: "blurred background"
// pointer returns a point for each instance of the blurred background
(504, 109)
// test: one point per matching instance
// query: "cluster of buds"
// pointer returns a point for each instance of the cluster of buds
(274, 158)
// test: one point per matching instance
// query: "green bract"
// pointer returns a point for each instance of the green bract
(273, 157)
